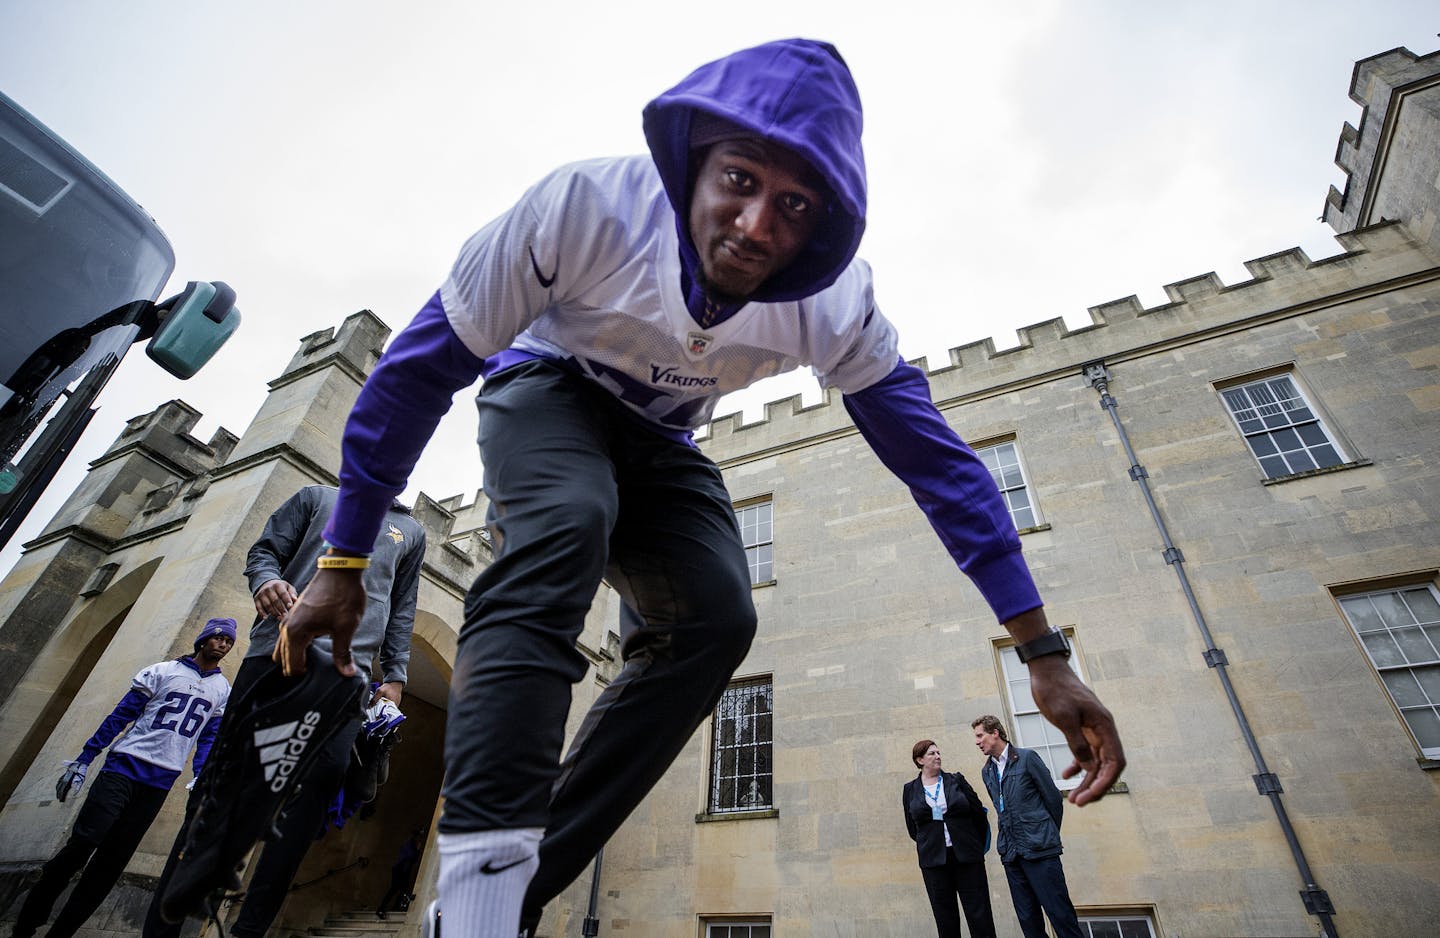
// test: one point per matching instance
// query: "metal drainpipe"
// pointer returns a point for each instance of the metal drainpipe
(1317, 901)
(591, 926)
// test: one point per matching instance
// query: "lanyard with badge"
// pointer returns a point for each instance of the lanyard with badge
(934, 799)
(999, 781)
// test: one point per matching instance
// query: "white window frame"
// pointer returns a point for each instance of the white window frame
(1007, 468)
(1089, 918)
(757, 926)
(1285, 420)
(733, 731)
(757, 532)
(1396, 657)
(1028, 728)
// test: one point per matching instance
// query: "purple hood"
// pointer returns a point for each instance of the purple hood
(798, 93)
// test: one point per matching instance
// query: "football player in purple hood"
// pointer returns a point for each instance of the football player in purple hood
(608, 311)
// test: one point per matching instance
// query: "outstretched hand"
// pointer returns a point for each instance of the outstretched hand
(331, 605)
(1089, 728)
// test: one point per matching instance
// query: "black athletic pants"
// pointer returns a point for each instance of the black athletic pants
(968, 883)
(280, 858)
(114, 817)
(580, 490)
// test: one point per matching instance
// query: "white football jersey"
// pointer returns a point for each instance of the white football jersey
(586, 267)
(182, 701)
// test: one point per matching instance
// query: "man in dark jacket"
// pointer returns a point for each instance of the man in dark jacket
(1028, 807)
(608, 311)
(280, 564)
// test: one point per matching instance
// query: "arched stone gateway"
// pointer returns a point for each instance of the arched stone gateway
(67, 660)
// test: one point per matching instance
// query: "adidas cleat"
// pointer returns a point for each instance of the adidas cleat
(271, 735)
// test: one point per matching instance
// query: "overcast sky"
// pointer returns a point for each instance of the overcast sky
(1024, 164)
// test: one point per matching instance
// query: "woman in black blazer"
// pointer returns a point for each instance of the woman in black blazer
(947, 822)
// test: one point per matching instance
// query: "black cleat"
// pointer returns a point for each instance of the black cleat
(270, 738)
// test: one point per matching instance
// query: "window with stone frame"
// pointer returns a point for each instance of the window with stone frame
(1126, 925)
(1284, 431)
(1028, 729)
(1400, 632)
(757, 533)
(749, 927)
(1003, 461)
(742, 749)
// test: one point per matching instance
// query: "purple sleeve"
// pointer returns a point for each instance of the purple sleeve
(206, 741)
(126, 712)
(949, 483)
(395, 416)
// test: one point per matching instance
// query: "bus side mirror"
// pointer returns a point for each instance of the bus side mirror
(200, 320)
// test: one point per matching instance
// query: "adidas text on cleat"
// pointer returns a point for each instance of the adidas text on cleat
(272, 732)
(282, 746)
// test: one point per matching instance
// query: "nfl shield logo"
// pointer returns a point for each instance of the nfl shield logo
(699, 343)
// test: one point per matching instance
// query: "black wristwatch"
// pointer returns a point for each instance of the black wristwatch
(1053, 642)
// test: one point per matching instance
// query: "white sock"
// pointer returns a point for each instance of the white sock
(483, 878)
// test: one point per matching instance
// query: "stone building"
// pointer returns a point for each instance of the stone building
(1230, 501)
(149, 546)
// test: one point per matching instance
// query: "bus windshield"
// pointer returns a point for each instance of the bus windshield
(77, 252)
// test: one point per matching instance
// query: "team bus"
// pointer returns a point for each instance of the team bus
(81, 270)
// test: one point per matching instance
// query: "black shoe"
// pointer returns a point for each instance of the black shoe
(273, 733)
(369, 767)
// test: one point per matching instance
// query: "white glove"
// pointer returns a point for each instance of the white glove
(382, 717)
(71, 780)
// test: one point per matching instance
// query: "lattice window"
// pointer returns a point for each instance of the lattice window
(1030, 730)
(749, 928)
(1003, 461)
(1400, 630)
(1283, 431)
(741, 774)
(1116, 926)
(757, 533)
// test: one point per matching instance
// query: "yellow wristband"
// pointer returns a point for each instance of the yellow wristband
(343, 563)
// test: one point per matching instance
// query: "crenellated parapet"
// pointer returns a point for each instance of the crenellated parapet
(455, 551)
(355, 348)
(148, 478)
(1391, 160)
(1284, 284)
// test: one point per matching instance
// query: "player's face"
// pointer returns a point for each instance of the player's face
(755, 207)
(217, 646)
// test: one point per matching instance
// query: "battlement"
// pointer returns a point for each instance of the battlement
(355, 346)
(1394, 146)
(1282, 284)
(164, 433)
